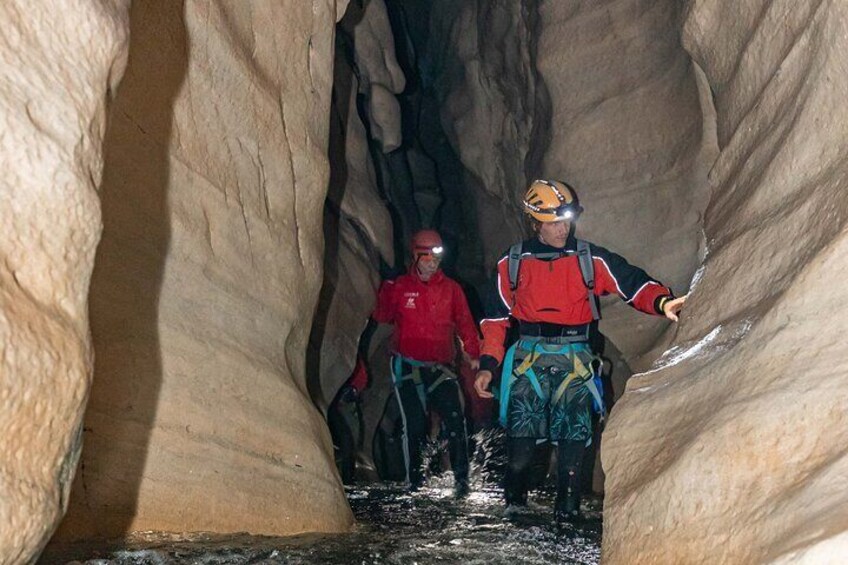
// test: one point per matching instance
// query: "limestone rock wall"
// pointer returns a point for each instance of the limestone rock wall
(734, 449)
(207, 277)
(58, 60)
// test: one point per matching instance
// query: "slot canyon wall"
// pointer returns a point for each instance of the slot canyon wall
(207, 276)
(365, 120)
(733, 450)
(214, 176)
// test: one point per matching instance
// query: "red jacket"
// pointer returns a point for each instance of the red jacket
(427, 316)
(554, 292)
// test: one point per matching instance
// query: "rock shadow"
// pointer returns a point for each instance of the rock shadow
(128, 274)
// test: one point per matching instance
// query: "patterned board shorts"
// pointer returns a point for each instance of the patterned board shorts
(569, 417)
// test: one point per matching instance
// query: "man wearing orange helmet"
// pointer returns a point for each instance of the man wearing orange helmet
(429, 311)
(550, 379)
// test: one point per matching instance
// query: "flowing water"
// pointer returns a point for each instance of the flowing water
(393, 526)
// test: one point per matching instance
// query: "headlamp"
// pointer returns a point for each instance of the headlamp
(436, 251)
(564, 212)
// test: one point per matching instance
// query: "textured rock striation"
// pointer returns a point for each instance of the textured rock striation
(58, 62)
(207, 277)
(733, 449)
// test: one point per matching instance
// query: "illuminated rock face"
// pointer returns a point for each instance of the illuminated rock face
(59, 59)
(207, 276)
(734, 452)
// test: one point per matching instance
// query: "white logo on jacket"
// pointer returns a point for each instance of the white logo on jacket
(410, 299)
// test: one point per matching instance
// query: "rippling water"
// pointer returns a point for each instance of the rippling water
(393, 526)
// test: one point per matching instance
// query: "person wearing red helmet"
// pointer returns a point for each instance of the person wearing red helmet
(429, 313)
(549, 384)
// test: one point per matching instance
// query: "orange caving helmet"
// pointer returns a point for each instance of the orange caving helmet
(427, 242)
(551, 201)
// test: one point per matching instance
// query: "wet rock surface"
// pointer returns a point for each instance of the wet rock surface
(733, 449)
(394, 527)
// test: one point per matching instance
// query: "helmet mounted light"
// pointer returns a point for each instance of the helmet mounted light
(436, 251)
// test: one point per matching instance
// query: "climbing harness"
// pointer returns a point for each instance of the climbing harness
(415, 376)
(538, 347)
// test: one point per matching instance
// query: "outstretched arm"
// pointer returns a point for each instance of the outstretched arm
(613, 274)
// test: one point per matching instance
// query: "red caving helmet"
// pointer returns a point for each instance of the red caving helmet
(427, 242)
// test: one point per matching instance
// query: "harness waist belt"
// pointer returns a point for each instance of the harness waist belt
(545, 329)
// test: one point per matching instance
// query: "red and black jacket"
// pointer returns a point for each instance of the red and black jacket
(427, 316)
(552, 292)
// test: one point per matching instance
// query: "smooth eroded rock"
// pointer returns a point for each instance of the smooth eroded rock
(733, 449)
(207, 277)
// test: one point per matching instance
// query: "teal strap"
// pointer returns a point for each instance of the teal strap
(415, 376)
(534, 381)
(506, 383)
(397, 367)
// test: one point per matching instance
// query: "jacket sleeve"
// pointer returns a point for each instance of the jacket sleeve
(384, 312)
(465, 326)
(496, 323)
(613, 274)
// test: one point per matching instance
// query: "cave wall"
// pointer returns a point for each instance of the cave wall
(207, 277)
(365, 122)
(733, 449)
(480, 63)
(59, 61)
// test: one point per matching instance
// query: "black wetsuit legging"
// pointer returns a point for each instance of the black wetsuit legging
(445, 399)
(521, 456)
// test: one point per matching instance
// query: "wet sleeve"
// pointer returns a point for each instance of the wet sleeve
(614, 275)
(465, 326)
(496, 323)
(384, 312)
